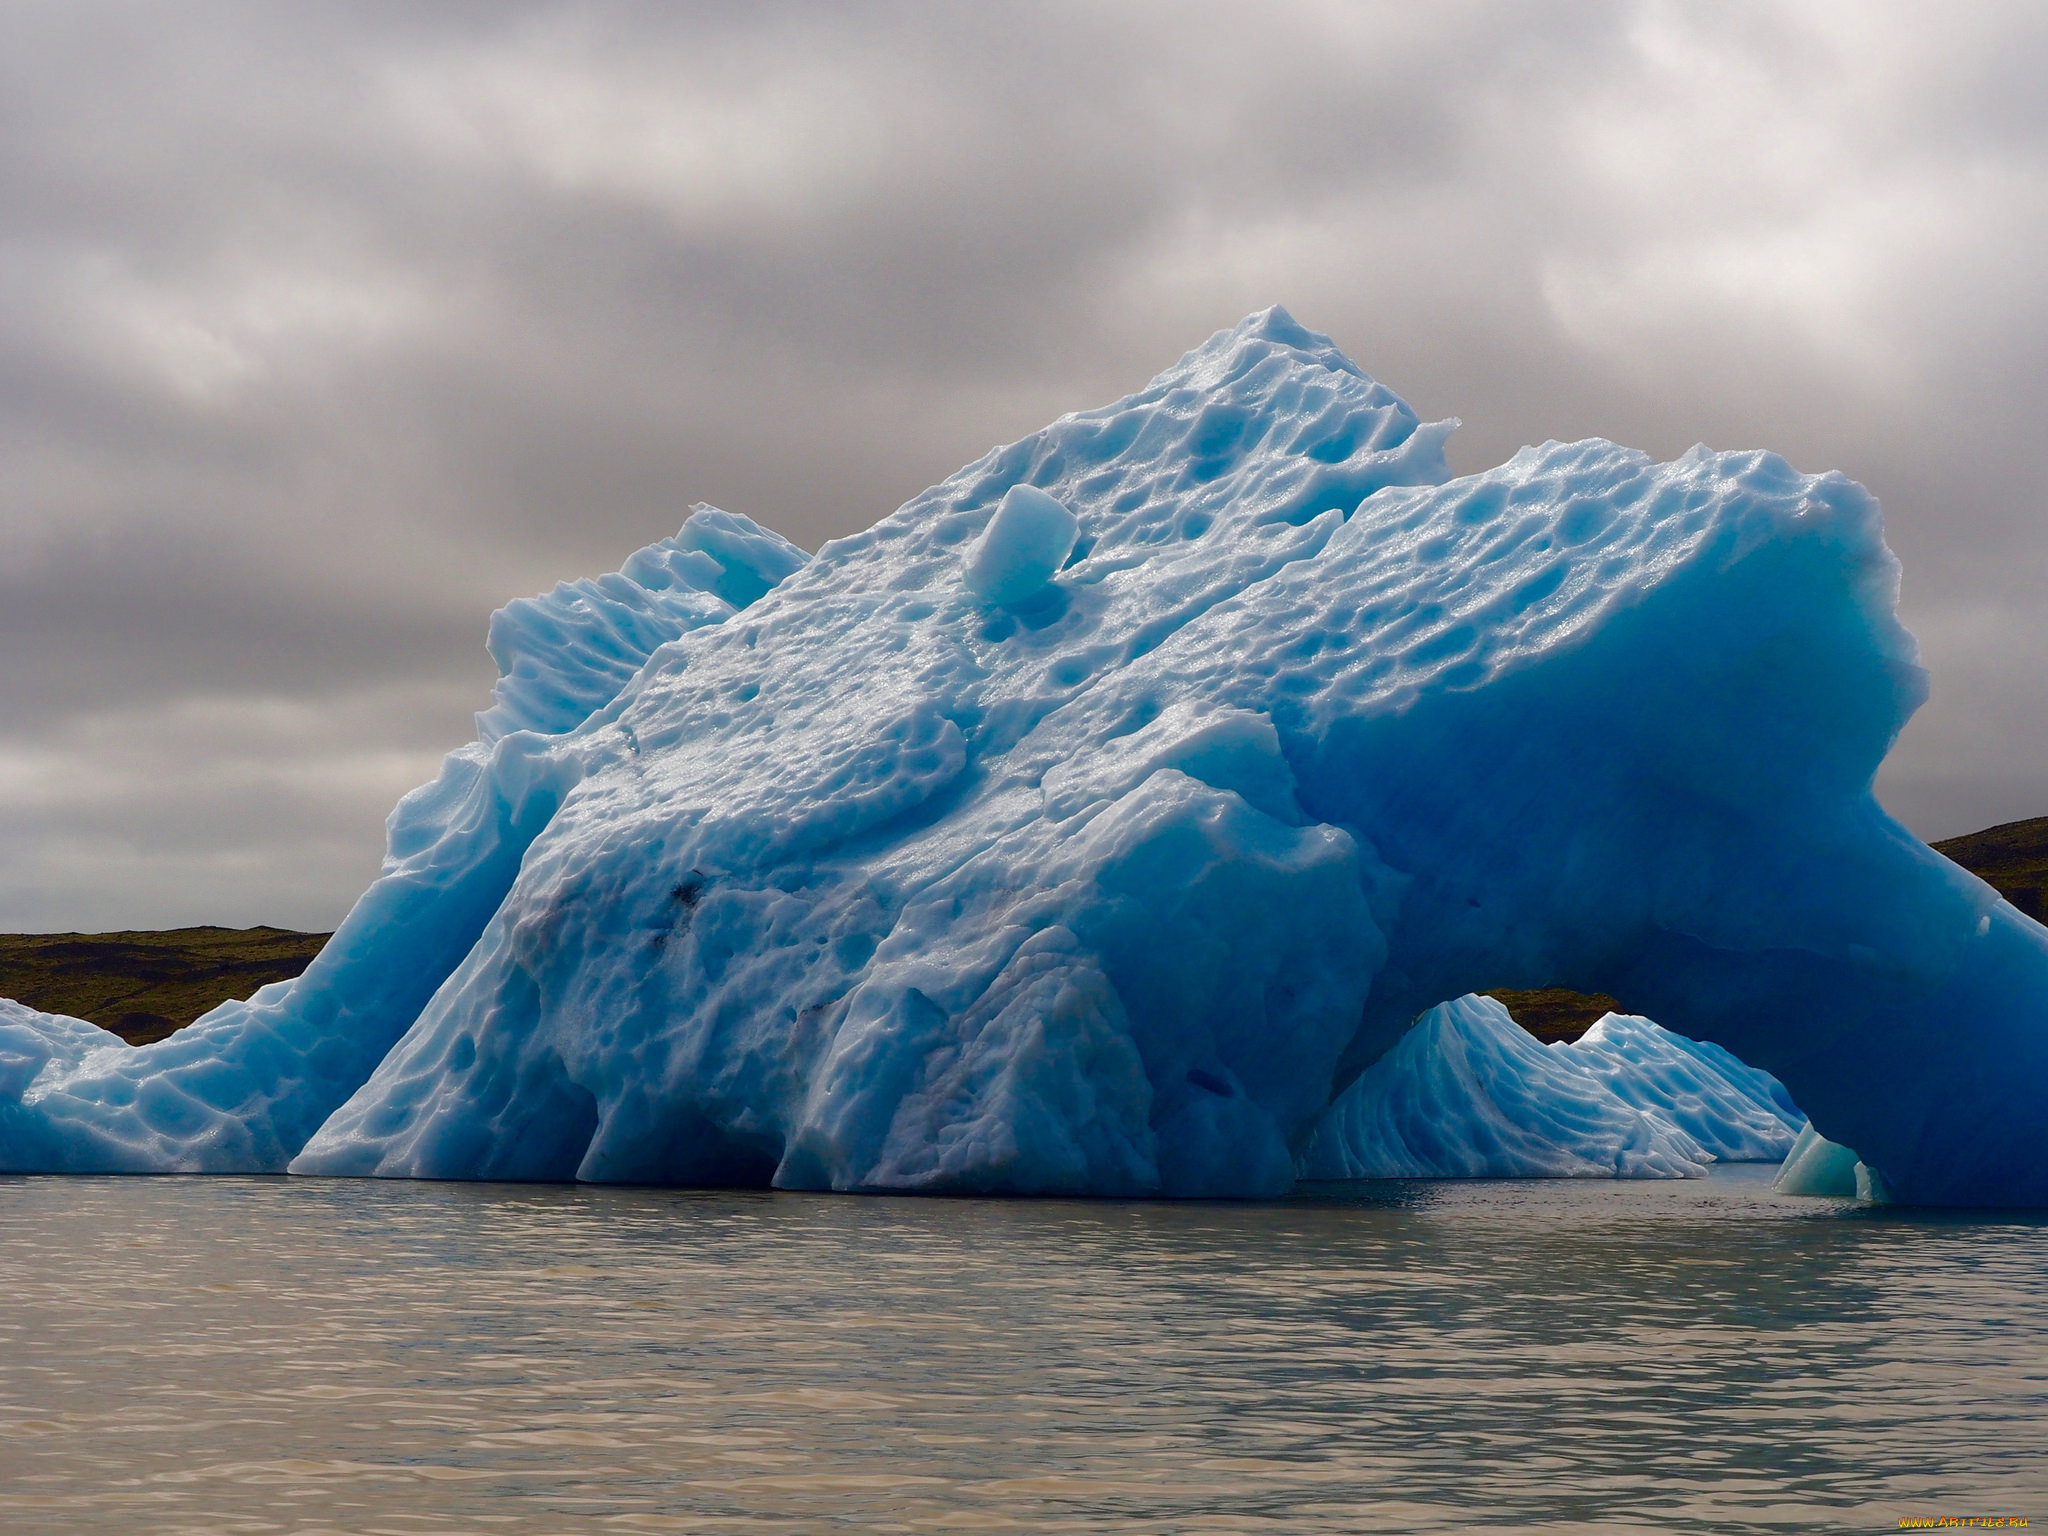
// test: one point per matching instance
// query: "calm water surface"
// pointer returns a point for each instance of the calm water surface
(300, 1356)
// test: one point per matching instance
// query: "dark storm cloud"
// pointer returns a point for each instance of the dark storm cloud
(325, 329)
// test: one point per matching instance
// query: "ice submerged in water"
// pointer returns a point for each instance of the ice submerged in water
(1101, 820)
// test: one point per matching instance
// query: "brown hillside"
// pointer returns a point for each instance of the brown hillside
(143, 985)
(2013, 859)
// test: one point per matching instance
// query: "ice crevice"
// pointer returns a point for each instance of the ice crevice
(1119, 815)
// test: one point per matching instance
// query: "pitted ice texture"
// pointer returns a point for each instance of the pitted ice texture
(897, 877)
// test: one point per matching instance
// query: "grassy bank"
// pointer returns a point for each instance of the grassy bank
(144, 985)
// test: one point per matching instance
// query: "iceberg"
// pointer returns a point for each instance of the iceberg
(1100, 821)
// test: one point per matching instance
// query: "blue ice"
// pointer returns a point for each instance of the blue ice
(1467, 1093)
(1101, 820)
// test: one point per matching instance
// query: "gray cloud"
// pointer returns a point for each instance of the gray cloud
(326, 329)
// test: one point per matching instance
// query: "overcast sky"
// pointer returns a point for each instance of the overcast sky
(325, 329)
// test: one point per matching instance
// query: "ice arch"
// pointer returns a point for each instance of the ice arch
(1023, 854)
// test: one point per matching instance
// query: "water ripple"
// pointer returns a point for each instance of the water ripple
(307, 1356)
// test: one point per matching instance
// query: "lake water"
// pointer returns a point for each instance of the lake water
(300, 1356)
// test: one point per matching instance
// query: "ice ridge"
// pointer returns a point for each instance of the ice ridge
(1467, 1093)
(1098, 820)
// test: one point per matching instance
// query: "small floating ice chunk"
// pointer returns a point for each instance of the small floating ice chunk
(1817, 1166)
(1023, 547)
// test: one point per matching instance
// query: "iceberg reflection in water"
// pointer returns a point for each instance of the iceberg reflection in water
(1687, 1355)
